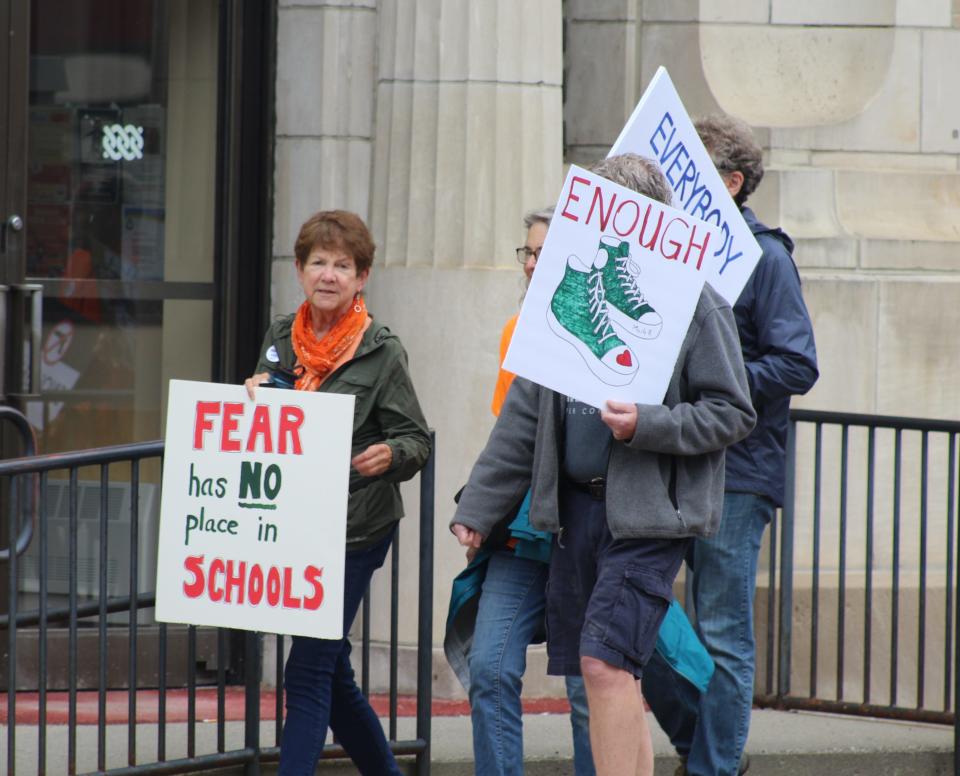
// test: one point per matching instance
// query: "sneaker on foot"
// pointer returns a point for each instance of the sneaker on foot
(628, 307)
(578, 315)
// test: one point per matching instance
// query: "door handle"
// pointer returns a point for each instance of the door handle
(31, 300)
(13, 224)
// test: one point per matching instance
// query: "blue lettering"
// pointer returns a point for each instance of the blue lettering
(670, 152)
(730, 259)
(689, 174)
(702, 203)
(660, 131)
(676, 164)
(726, 238)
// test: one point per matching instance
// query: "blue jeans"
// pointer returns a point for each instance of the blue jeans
(321, 690)
(510, 614)
(711, 729)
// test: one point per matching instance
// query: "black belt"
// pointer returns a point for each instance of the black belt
(596, 488)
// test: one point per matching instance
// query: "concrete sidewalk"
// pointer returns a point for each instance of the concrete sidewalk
(781, 743)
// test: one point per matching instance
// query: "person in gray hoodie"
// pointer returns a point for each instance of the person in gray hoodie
(623, 491)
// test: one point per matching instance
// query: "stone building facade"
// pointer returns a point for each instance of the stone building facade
(442, 121)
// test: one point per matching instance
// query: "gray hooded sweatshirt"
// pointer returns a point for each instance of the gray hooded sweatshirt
(665, 482)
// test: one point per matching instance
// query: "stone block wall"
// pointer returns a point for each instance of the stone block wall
(442, 121)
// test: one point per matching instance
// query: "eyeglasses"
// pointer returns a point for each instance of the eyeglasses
(524, 254)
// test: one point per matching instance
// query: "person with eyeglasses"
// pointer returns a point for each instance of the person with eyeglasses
(537, 222)
(489, 653)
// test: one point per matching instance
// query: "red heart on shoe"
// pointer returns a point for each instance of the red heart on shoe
(624, 359)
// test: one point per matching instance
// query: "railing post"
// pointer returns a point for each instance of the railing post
(786, 564)
(956, 657)
(425, 630)
(253, 656)
(12, 632)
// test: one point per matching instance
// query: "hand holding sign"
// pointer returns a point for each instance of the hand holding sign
(621, 418)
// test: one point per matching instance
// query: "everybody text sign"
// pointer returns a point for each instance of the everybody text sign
(253, 516)
(661, 130)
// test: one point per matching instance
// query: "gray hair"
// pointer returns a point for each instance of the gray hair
(635, 172)
(732, 147)
(538, 217)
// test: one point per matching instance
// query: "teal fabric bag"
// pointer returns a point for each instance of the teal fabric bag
(462, 615)
(679, 645)
(532, 543)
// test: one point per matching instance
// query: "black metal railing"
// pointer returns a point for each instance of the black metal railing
(118, 628)
(861, 596)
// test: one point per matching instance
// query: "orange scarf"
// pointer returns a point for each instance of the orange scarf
(319, 357)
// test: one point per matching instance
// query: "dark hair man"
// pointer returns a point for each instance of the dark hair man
(709, 730)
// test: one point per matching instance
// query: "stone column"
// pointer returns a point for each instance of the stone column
(468, 128)
(600, 75)
(326, 65)
(468, 137)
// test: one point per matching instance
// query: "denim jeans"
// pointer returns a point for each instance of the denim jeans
(321, 690)
(710, 729)
(510, 614)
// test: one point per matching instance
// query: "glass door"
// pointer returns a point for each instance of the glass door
(107, 250)
(119, 212)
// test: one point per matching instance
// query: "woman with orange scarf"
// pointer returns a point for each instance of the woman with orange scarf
(332, 344)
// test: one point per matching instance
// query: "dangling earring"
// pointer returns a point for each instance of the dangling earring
(356, 304)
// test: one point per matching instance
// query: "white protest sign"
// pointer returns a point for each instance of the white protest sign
(613, 294)
(253, 515)
(660, 129)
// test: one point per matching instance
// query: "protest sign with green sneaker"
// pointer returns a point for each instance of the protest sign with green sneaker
(616, 286)
(578, 315)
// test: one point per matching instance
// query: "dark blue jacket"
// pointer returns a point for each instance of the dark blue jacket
(781, 359)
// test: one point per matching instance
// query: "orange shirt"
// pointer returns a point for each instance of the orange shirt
(504, 378)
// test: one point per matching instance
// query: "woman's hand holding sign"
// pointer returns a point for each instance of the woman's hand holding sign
(251, 383)
(621, 418)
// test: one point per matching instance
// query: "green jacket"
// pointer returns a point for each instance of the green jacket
(386, 410)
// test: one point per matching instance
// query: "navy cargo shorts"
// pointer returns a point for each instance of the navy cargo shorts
(606, 598)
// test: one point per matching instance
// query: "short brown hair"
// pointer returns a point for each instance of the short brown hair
(732, 147)
(336, 230)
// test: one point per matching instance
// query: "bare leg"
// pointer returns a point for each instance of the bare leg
(645, 755)
(616, 716)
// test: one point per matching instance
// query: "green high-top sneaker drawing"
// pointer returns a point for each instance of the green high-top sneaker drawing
(578, 315)
(628, 307)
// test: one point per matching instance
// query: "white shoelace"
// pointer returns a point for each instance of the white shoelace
(631, 289)
(598, 308)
